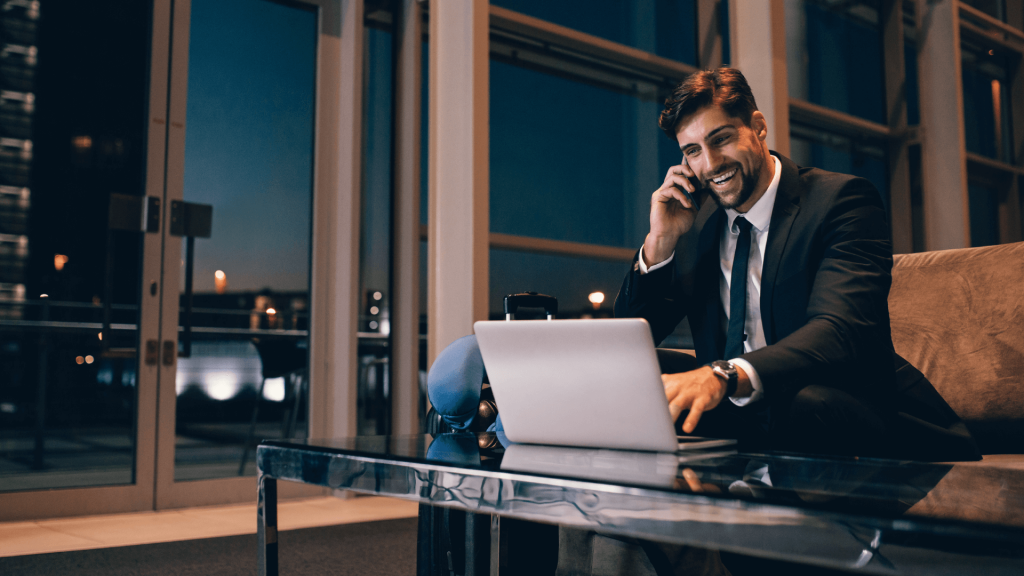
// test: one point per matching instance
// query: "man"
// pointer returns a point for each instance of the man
(784, 279)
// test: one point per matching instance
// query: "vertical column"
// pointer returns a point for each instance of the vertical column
(943, 147)
(459, 171)
(405, 319)
(757, 30)
(709, 35)
(338, 176)
(891, 14)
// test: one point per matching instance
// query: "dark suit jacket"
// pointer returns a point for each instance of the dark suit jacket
(824, 291)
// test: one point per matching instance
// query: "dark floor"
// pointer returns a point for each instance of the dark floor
(384, 548)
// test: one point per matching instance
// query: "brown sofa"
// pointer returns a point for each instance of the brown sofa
(958, 316)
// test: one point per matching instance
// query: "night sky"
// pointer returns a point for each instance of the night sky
(249, 141)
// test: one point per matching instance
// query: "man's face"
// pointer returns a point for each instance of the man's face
(726, 155)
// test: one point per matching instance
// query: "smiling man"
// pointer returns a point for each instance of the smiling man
(784, 278)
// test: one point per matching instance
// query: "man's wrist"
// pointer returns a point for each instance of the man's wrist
(740, 386)
(657, 249)
(728, 373)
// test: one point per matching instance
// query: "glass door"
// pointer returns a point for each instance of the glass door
(155, 281)
(79, 256)
(238, 251)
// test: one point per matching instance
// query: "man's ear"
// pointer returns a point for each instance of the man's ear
(759, 125)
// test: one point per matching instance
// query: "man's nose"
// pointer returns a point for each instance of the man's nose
(713, 159)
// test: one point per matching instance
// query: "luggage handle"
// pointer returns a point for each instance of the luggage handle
(530, 300)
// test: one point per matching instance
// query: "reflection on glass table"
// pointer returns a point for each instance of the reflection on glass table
(877, 516)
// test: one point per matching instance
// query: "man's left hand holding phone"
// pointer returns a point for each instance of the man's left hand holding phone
(673, 210)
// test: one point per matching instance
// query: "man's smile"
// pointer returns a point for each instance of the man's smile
(724, 177)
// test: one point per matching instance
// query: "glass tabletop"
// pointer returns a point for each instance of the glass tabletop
(970, 493)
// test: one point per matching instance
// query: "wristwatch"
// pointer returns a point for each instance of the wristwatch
(726, 371)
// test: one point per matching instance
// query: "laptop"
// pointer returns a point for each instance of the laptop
(588, 383)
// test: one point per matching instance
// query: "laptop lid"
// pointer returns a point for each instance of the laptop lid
(592, 383)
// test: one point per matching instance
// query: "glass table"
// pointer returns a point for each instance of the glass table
(865, 515)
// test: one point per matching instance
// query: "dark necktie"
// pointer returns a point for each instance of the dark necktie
(738, 292)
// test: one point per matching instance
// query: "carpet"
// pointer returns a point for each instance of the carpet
(384, 548)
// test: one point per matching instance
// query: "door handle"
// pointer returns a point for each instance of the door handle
(170, 347)
(152, 351)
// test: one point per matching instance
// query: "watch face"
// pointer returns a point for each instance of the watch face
(725, 369)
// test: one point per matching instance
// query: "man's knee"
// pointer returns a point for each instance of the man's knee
(811, 404)
(828, 420)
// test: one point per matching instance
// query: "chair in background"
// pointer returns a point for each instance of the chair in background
(280, 359)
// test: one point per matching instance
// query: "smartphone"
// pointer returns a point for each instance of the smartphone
(696, 186)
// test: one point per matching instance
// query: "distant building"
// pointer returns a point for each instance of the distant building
(18, 56)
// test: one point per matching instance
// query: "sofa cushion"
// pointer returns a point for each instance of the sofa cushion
(958, 316)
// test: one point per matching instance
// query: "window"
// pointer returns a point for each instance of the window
(663, 27)
(835, 153)
(571, 161)
(374, 351)
(575, 153)
(984, 210)
(987, 101)
(834, 56)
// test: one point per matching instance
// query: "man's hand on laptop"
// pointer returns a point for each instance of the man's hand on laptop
(698, 391)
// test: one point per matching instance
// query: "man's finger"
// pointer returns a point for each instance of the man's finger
(674, 410)
(680, 181)
(675, 193)
(696, 409)
(692, 480)
(683, 169)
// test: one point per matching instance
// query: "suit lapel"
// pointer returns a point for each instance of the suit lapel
(783, 215)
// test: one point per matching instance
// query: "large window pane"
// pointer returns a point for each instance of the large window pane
(834, 56)
(987, 126)
(375, 245)
(815, 148)
(984, 210)
(664, 27)
(73, 94)
(249, 154)
(570, 161)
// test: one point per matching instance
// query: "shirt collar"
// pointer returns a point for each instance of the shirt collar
(760, 215)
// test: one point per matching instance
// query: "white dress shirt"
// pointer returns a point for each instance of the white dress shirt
(759, 216)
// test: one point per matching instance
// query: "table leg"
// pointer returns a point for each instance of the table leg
(499, 547)
(266, 526)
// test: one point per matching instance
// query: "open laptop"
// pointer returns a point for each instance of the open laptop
(593, 383)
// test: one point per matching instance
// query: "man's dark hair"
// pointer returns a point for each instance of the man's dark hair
(725, 87)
